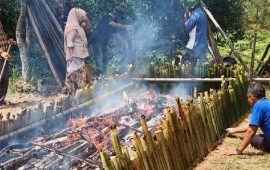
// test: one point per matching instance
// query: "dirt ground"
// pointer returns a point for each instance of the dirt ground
(250, 159)
(19, 101)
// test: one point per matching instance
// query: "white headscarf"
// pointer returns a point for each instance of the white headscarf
(73, 23)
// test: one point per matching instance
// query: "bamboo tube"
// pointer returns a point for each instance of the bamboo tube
(171, 117)
(214, 111)
(180, 109)
(150, 157)
(115, 162)
(135, 163)
(183, 138)
(176, 158)
(105, 160)
(117, 147)
(234, 103)
(161, 157)
(127, 157)
(206, 121)
(165, 150)
(209, 116)
(150, 141)
(139, 149)
(218, 111)
(148, 135)
(202, 143)
(192, 133)
(116, 141)
(184, 126)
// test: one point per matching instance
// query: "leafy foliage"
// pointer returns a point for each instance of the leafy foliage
(257, 14)
(229, 14)
(9, 13)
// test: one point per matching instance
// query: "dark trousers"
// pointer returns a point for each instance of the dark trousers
(4, 80)
(259, 142)
(101, 57)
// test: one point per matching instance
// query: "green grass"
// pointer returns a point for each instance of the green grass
(15, 75)
(245, 45)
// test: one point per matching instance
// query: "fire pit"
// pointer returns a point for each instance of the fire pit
(79, 144)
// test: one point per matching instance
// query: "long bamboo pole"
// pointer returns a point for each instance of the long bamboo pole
(236, 53)
(175, 80)
(251, 71)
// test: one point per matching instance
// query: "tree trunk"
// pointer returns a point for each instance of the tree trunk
(23, 40)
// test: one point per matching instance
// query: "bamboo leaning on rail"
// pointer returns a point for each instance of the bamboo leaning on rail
(187, 132)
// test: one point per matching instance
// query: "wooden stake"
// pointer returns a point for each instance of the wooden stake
(251, 72)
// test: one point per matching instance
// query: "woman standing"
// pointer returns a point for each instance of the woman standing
(75, 44)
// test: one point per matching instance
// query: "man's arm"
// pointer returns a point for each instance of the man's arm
(120, 26)
(4, 54)
(239, 129)
(186, 15)
(250, 133)
(191, 21)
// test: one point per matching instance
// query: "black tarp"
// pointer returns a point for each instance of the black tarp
(50, 35)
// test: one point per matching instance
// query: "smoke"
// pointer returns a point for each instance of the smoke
(158, 28)
(145, 36)
(182, 90)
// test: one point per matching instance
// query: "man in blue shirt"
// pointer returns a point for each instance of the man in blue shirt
(260, 117)
(196, 25)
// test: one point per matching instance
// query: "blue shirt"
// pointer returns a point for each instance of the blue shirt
(260, 117)
(198, 21)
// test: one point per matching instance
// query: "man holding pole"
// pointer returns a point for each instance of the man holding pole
(196, 25)
(4, 62)
(260, 117)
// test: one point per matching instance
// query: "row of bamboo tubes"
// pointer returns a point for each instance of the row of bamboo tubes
(188, 131)
(186, 70)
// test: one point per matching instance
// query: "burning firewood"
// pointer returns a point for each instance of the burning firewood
(91, 164)
(84, 137)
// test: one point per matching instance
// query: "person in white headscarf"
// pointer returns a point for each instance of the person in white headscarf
(76, 50)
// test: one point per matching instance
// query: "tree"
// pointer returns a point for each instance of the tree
(229, 14)
(23, 40)
(257, 12)
(9, 15)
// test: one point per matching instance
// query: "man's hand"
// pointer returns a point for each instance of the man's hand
(230, 131)
(11, 41)
(5, 55)
(186, 14)
(128, 28)
(231, 152)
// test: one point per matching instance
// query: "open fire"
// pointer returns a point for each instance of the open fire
(80, 143)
